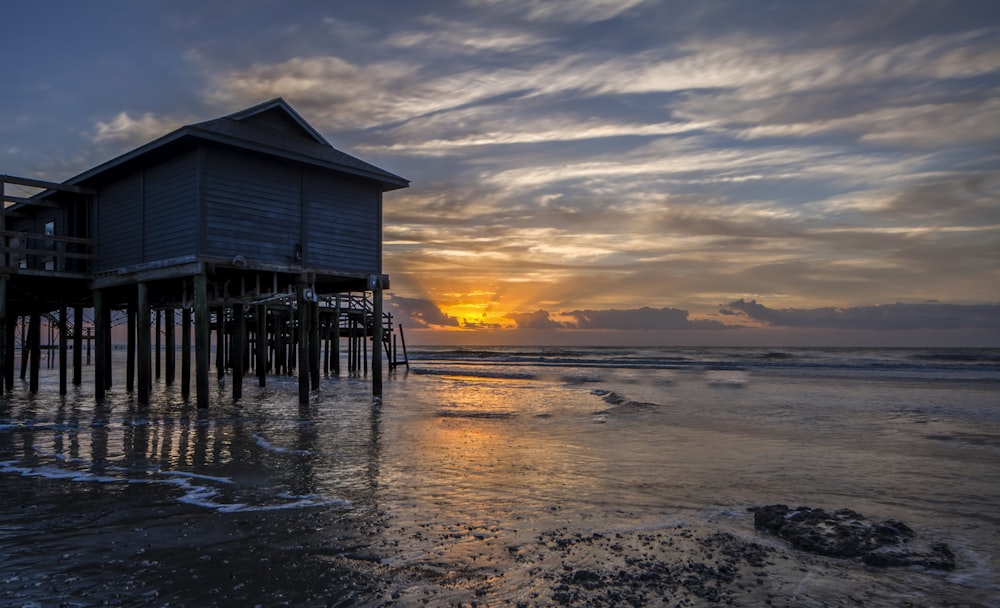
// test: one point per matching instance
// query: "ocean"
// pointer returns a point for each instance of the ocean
(509, 476)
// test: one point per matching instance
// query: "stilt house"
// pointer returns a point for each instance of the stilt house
(222, 218)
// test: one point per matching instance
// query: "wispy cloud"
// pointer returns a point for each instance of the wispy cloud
(126, 130)
(570, 11)
(632, 155)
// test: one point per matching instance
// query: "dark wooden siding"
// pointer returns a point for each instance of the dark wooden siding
(119, 223)
(252, 207)
(344, 229)
(170, 215)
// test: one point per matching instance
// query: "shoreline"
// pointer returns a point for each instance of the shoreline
(85, 544)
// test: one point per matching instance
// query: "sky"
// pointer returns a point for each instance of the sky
(647, 172)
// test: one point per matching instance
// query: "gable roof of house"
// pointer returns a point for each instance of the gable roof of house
(271, 128)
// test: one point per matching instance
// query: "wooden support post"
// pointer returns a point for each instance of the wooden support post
(303, 354)
(239, 345)
(314, 344)
(108, 349)
(169, 323)
(202, 338)
(261, 344)
(78, 345)
(377, 338)
(4, 353)
(364, 340)
(130, 347)
(142, 343)
(35, 340)
(100, 345)
(336, 336)
(63, 346)
(25, 348)
(294, 321)
(10, 336)
(280, 350)
(157, 345)
(186, 352)
(326, 346)
(220, 342)
(402, 338)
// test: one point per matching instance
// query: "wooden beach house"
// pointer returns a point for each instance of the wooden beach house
(251, 224)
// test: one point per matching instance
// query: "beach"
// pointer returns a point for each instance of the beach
(531, 477)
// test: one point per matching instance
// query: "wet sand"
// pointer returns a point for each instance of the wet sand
(87, 544)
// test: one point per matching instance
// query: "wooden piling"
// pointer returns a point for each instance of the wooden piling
(186, 352)
(10, 335)
(336, 336)
(157, 346)
(4, 353)
(261, 344)
(63, 345)
(170, 342)
(402, 338)
(78, 345)
(239, 345)
(108, 349)
(202, 338)
(35, 340)
(314, 344)
(220, 343)
(377, 337)
(303, 346)
(25, 348)
(100, 345)
(143, 343)
(130, 311)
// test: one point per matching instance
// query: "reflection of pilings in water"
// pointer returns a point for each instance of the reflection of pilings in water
(99, 439)
(306, 444)
(375, 450)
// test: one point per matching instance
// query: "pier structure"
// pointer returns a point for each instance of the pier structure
(251, 225)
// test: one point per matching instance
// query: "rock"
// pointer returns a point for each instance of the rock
(937, 556)
(848, 534)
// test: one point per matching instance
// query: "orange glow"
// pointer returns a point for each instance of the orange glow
(477, 310)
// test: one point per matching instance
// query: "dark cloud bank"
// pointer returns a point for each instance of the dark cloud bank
(935, 316)
(740, 314)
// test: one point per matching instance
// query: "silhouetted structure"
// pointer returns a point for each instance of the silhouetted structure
(251, 225)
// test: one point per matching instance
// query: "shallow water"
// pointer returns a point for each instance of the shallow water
(474, 454)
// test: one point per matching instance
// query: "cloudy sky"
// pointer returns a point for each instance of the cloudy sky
(589, 171)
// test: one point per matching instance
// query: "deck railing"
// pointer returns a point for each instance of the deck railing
(33, 251)
(46, 251)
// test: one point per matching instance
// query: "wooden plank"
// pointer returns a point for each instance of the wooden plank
(48, 237)
(34, 202)
(49, 252)
(38, 183)
(118, 223)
